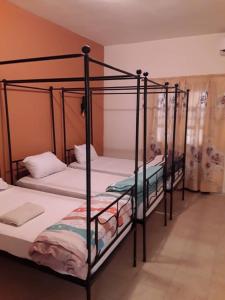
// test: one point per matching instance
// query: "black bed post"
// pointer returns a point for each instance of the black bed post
(185, 142)
(166, 154)
(86, 51)
(91, 115)
(8, 131)
(173, 151)
(52, 118)
(144, 162)
(64, 126)
(136, 165)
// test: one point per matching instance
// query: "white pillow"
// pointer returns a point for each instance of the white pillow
(80, 153)
(3, 185)
(44, 164)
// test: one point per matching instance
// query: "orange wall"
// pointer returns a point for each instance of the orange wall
(23, 34)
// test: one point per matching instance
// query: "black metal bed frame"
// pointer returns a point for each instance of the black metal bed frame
(145, 89)
(177, 164)
(68, 153)
(132, 192)
(16, 165)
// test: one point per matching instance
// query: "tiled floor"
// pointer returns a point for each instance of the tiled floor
(186, 260)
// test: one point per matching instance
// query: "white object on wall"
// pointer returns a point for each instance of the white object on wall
(222, 46)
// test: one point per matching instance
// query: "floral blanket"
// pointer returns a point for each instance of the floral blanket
(63, 246)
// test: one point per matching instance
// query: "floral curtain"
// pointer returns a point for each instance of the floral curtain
(156, 121)
(206, 123)
(213, 149)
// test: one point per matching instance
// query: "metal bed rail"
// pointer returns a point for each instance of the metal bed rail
(154, 190)
(96, 219)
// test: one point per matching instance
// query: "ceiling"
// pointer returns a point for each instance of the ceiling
(124, 21)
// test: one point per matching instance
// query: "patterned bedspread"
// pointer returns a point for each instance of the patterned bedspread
(154, 176)
(63, 246)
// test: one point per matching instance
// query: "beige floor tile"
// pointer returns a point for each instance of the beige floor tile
(217, 289)
(157, 274)
(143, 292)
(189, 286)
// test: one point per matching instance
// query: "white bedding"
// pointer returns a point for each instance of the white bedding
(115, 166)
(152, 198)
(70, 182)
(178, 176)
(17, 240)
(109, 165)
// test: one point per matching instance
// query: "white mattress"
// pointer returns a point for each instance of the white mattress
(70, 182)
(178, 176)
(109, 165)
(116, 166)
(159, 159)
(17, 240)
(152, 198)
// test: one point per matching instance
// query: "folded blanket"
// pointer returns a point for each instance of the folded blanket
(152, 174)
(22, 214)
(63, 246)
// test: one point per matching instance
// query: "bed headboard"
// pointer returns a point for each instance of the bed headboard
(18, 170)
(69, 156)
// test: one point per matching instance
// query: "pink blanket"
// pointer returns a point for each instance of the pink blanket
(63, 246)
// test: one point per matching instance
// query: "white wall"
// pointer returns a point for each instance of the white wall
(196, 55)
(119, 125)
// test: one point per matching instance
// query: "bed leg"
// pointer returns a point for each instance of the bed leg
(183, 189)
(171, 205)
(144, 242)
(88, 291)
(135, 247)
(165, 210)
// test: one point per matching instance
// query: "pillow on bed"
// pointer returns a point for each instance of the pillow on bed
(22, 214)
(3, 185)
(44, 164)
(80, 153)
